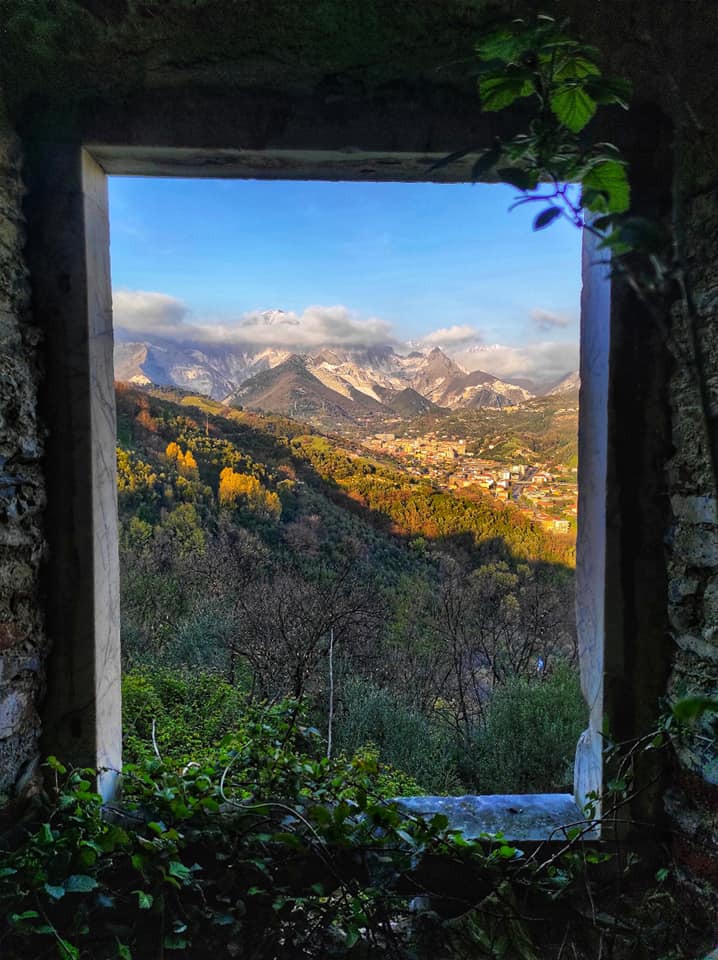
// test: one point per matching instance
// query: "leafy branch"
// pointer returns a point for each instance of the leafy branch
(555, 162)
(559, 77)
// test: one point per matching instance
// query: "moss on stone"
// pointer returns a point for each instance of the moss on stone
(54, 49)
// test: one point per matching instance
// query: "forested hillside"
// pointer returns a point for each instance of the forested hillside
(267, 557)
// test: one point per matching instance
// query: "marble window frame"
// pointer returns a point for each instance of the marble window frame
(68, 254)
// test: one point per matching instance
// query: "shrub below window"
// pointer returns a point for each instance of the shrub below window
(402, 736)
(189, 713)
(528, 741)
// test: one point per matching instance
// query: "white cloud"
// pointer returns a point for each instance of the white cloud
(550, 319)
(151, 314)
(542, 362)
(316, 326)
(143, 311)
(451, 336)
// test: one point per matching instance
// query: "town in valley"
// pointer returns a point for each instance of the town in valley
(548, 493)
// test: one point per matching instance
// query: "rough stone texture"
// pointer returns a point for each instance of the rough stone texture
(692, 547)
(22, 497)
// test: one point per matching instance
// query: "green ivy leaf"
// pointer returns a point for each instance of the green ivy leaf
(603, 223)
(506, 852)
(501, 45)
(27, 915)
(516, 177)
(573, 107)
(175, 942)
(87, 857)
(499, 92)
(691, 708)
(642, 234)
(614, 243)
(123, 951)
(608, 178)
(67, 950)
(223, 919)
(79, 883)
(321, 815)
(546, 217)
(144, 900)
(577, 67)
(288, 839)
(180, 871)
(609, 92)
(594, 856)
(54, 764)
(57, 893)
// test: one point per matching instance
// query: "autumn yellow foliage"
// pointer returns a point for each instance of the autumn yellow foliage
(185, 462)
(237, 489)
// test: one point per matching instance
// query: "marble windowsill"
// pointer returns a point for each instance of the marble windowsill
(521, 816)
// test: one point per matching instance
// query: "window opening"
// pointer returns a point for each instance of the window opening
(347, 474)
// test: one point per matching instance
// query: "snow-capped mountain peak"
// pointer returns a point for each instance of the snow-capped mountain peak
(341, 378)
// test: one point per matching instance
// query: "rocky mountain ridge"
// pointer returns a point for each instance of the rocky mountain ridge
(344, 383)
(567, 385)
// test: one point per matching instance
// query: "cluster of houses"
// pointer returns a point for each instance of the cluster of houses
(427, 450)
(533, 490)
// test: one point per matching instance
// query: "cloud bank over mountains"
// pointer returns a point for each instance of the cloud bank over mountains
(541, 363)
(149, 315)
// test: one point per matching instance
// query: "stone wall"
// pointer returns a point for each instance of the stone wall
(22, 484)
(692, 551)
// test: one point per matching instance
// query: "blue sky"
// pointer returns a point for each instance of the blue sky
(419, 258)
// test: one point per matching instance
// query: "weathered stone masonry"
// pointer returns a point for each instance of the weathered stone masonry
(22, 480)
(371, 83)
(692, 548)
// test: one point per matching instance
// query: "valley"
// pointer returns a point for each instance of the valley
(248, 541)
(420, 516)
(466, 432)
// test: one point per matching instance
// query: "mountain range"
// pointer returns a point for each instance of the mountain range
(338, 384)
